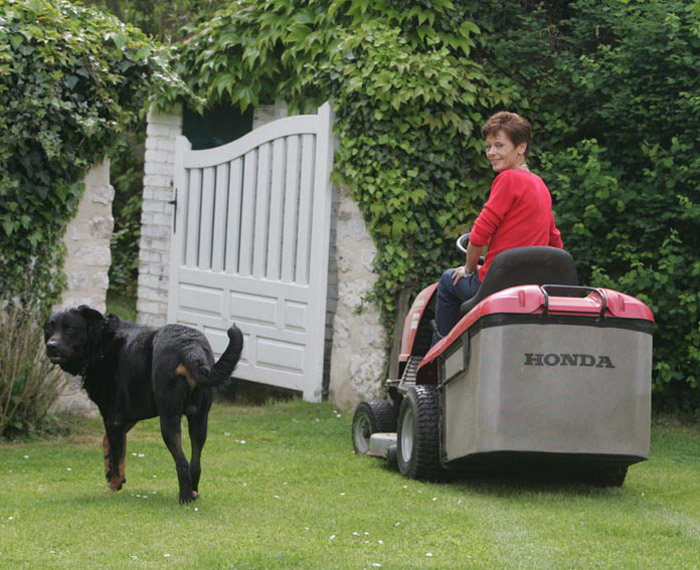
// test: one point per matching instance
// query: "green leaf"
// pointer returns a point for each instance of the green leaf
(15, 41)
(9, 227)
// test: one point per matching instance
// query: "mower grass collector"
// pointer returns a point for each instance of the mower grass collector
(539, 372)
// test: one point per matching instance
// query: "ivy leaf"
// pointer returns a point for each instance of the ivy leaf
(119, 39)
(70, 81)
(9, 227)
(15, 41)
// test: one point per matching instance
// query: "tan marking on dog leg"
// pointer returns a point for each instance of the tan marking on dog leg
(182, 371)
(122, 460)
(119, 477)
(115, 484)
(105, 450)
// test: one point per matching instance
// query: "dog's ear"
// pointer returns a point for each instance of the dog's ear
(90, 315)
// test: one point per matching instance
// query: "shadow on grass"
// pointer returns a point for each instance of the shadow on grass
(528, 485)
(135, 499)
(514, 481)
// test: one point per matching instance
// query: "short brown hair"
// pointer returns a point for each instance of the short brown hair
(516, 127)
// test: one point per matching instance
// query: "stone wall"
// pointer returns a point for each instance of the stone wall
(268, 113)
(359, 353)
(87, 262)
(87, 241)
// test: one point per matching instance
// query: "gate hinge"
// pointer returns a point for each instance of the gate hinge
(174, 204)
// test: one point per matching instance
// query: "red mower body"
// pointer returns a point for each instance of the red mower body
(522, 300)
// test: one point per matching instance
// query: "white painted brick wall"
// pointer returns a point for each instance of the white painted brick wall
(157, 216)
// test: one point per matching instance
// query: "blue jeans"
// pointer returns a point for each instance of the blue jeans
(450, 297)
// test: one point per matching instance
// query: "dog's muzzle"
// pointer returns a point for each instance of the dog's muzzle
(54, 352)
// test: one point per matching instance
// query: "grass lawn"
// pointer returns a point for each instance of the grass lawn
(282, 489)
(122, 306)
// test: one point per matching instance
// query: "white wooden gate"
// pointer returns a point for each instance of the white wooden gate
(252, 231)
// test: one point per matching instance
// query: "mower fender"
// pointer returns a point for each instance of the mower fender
(413, 320)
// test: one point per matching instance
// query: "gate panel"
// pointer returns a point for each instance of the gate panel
(289, 243)
(251, 246)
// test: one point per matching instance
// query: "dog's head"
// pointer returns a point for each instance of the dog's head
(68, 336)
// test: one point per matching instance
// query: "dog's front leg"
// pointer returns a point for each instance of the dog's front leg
(121, 469)
(108, 463)
(116, 463)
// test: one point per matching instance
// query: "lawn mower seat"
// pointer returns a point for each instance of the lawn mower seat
(531, 265)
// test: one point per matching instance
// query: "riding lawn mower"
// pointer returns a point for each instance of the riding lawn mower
(539, 372)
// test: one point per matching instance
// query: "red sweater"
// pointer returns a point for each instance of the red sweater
(517, 213)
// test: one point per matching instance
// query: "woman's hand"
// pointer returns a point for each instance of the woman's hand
(459, 273)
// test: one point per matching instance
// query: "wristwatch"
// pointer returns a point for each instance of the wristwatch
(468, 273)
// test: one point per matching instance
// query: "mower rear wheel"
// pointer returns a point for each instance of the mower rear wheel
(418, 438)
(372, 416)
(606, 476)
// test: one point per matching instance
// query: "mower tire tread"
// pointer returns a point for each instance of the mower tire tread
(418, 452)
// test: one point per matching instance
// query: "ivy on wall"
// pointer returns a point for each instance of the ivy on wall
(71, 80)
(409, 101)
(408, 119)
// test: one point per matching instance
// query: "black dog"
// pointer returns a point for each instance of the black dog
(133, 373)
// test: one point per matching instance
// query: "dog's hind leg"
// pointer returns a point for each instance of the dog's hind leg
(197, 426)
(172, 436)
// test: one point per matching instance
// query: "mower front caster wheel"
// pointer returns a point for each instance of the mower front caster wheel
(372, 416)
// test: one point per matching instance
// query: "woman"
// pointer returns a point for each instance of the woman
(517, 213)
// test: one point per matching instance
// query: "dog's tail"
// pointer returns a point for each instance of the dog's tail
(199, 374)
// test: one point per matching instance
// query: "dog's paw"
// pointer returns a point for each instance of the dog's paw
(116, 485)
(108, 476)
(186, 499)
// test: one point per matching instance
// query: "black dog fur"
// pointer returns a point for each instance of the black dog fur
(133, 373)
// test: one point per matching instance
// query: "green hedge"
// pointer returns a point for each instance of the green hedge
(613, 89)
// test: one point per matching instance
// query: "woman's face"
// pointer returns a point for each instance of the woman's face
(502, 153)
